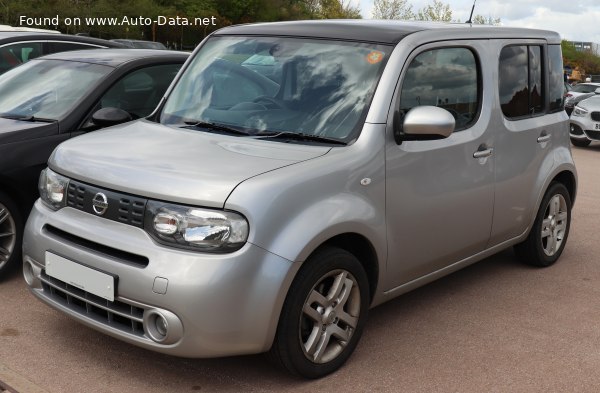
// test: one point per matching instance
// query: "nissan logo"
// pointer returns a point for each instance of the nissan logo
(100, 203)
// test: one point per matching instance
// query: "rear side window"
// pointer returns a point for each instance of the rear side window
(140, 91)
(13, 55)
(555, 76)
(520, 78)
(446, 77)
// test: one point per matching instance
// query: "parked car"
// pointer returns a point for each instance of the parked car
(140, 44)
(18, 47)
(585, 122)
(250, 215)
(53, 98)
(578, 93)
(568, 88)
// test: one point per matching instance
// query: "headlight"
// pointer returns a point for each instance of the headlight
(195, 228)
(53, 189)
(579, 111)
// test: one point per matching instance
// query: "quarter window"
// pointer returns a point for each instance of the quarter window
(520, 81)
(447, 78)
(556, 77)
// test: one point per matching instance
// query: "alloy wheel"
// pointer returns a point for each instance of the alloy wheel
(8, 235)
(329, 316)
(554, 225)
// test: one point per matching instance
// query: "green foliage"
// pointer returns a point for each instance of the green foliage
(587, 62)
(438, 11)
(482, 20)
(226, 12)
(392, 9)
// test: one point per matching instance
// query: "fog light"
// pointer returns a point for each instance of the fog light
(28, 273)
(161, 325)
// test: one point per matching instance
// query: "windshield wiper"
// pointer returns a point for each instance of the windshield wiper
(214, 127)
(299, 137)
(26, 118)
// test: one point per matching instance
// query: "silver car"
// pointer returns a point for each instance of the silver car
(255, 213)
(579, 93)
(585, 122)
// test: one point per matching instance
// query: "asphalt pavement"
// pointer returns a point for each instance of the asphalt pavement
(496, 326)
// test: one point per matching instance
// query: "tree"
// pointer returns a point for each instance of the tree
(482, 20)
(437, 11)
(392, 9)
(331, 9)
(587, 61)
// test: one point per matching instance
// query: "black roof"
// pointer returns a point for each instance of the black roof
(379, 31)
(115, 57)
(11, 36)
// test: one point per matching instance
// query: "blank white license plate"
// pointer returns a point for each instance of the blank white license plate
(82, 277)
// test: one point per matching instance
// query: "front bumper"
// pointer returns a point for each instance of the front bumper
(583, 128)
(215, 304)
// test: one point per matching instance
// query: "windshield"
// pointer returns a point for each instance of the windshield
(47, 89)
(266, 85)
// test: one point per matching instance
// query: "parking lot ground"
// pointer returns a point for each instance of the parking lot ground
(496, 326)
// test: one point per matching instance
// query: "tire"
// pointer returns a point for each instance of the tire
(550, 231)
(323, 315)
(580, 142)
(11, 234)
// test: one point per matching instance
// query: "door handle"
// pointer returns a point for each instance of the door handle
(483, 153)
(543, 138)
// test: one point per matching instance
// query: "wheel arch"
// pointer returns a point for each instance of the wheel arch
(567, 178)
(16, 195)
(359, 246)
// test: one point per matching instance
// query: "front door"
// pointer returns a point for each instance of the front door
(440, 193)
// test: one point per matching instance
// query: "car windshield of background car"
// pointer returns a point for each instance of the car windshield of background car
(47, 89)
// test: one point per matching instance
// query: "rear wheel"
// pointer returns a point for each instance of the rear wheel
(550, 230)
(11, 232)
(323, 315)
(580, 142)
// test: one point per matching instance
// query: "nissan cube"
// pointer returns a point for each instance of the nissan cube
(296, 175)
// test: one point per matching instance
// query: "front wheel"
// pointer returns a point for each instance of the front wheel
(323, 315)
(11, 232)
(550, 230)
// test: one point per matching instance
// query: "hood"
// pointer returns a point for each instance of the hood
(19, 130)
(173, 164)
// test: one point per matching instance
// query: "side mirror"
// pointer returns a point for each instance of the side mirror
(426, 123)
(597, 91)
(106, 117)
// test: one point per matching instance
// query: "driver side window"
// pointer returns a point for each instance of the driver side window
(447, 78)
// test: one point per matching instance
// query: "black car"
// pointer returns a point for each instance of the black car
(18, 47)
(59, 96)
(140, 44)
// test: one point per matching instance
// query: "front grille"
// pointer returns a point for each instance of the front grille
(106, 251)
(118, 315)
(593, 134)
(596, 116)
(124, 208)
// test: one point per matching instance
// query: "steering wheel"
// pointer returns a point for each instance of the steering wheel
(270, 100)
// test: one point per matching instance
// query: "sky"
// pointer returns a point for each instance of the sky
(574, 20)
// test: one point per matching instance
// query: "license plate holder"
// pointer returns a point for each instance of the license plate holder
(80, 276)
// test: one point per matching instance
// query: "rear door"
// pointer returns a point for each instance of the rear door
(531, 121)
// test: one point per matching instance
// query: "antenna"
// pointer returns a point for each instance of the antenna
(471, 16)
